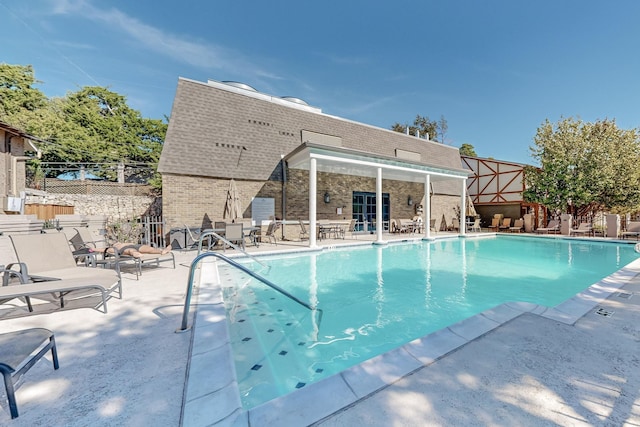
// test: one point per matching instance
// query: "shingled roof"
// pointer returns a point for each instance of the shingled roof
(221, 131)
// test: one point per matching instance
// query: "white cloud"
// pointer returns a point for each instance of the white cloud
(193, 52)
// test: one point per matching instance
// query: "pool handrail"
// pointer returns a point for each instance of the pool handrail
(196, 261)
(217, 236)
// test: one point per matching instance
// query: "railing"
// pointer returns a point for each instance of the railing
(187, 300)
(153, 231)
(236, 247)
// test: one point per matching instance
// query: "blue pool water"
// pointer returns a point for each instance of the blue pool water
(377, 298)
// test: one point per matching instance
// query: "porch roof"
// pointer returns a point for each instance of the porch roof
(339, 160)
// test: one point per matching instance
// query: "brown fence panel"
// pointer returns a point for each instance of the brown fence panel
(47, 212)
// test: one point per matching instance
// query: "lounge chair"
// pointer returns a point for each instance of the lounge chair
(552, 227)
(506, 225)
(475, 227)
(46, 266)
(495, 224)
(16, 357)
(112, 257)
(583, 228)
(304, 233)
(633, 229)
(518, 226)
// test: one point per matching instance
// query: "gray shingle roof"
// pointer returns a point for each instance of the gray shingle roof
(222, 132)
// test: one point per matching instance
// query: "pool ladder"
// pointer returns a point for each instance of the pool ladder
(194, 264)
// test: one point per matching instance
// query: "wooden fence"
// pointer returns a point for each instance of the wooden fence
(47, 212)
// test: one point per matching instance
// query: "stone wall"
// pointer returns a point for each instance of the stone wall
(115, 207)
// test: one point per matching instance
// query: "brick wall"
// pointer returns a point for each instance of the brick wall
(199, 201)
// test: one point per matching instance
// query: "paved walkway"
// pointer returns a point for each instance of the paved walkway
(128, 368)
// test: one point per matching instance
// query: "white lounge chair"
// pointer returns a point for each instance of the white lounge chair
(583, 229)
(552, 227)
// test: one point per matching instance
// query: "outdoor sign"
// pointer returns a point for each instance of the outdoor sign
(262, 209)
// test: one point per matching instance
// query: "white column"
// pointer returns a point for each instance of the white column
(313, 174)
(379, 206)
(463, 208)
(427, 206)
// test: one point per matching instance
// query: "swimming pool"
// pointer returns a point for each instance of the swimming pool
(376, 298)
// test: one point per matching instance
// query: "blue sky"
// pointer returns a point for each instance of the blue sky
(495, 69)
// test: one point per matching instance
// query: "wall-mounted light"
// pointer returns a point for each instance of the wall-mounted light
(410, 201)
(327, 199)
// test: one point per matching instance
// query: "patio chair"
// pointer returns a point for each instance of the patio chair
(506, 225)
(270, 234)
(85, 248)
(16, 357)
(633, 229)
(304, 233)
(583, 229)
(47, 270)
(495, 224)
(552, 227)
(475, 227)
(518, 226)
(455, 224)
(234, 234)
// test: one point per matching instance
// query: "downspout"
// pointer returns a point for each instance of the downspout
(284, 192)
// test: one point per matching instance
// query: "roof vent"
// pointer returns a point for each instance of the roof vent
(240, 85)
(295, 100)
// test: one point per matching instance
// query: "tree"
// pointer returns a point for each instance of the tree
(426, 128)
(91, 125)
(467, 150)
(18, 96)
(443, 127)
(588, 166)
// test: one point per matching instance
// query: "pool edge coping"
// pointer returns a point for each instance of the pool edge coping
(218, 403)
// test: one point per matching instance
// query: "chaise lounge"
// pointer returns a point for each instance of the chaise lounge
(47, 269)
(552, 227)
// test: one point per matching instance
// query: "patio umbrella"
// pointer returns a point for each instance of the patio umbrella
(232, 209)
(471, 210)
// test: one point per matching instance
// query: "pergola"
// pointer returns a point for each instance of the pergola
(338, 160)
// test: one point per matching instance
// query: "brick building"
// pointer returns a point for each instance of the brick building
(14, 143)
(290, 160)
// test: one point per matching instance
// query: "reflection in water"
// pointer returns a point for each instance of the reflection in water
(379, 295)
(427, 289)
(463, 253)
(313, 294)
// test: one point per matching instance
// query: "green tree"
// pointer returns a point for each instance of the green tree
(91, 125)
(467, 150)
(435, 130)
(18, 96)
(585, 165)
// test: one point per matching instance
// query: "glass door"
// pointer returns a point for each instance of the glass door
(364, 211)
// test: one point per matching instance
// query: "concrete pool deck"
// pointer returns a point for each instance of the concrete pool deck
(519, 364)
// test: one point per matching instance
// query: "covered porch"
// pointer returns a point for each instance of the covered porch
(315, 158)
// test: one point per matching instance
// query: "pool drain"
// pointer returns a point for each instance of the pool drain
(604, 313)
(624, 295)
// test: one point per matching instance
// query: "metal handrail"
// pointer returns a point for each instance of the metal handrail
(216, 235)
(194, 264)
